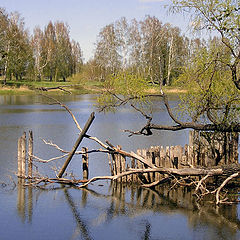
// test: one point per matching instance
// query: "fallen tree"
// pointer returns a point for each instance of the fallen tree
(175, 177)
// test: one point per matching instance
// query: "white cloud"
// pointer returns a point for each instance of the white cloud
(146, 1)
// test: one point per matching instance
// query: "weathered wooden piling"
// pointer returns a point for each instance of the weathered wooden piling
(19, 174)
(24, 142)
(85, 163)
(30, 153)
(22, 156)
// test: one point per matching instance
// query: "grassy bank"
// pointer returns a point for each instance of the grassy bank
(30, 87)
(90, 87)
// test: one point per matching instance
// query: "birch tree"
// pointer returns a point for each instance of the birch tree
(38, 52)
(106, 54)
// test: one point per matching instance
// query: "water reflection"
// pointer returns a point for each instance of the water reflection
(100, 212)
(81, 225)
(24, 201)
(119, 201)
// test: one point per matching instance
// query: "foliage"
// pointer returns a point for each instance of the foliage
(122, 84)
(211, 92)
(210, 71)
(56, 56)
(47, 54)
(148, 47)
(212, 74)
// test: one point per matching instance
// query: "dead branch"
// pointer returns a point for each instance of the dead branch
(36, 181)
(50, 143)
(162, 170)
(218, 201)
(159, 182)
(76, 123)
(66, 108)
(94, 179)
(178, 125)
(48, 160)
(62, 88)
(131, 154)
(199, 185)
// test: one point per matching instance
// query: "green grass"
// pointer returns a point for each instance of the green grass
(30, 87)
(25, 87)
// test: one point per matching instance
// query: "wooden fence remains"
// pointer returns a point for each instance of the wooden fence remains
(25, 157)
(205, 149)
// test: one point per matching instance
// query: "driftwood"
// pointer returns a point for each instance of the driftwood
(184, 177)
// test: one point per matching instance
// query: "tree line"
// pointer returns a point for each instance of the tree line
(150, 50)
(47, 54)
(154, 50)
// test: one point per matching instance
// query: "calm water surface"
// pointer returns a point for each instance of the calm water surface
(103, 211)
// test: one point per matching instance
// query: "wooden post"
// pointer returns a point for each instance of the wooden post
(85, 163)
(146, 155)
(167, 158)
(139, 164)
(114, 167)
(133, 165)
(157, 161)
(172, 156)
(190, 141)
(162, 157)
(23, 143)
(152, 152)
(190, 155)
(118, 164)
(110, 164)
(30, 153)
(196, 147)
(123, 167)
(19, 157)
(80, 138)
(235, 137)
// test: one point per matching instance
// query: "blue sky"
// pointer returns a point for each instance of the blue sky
(87, 17)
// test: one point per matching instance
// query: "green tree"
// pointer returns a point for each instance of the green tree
(107, 51)
(16, 47)
(56, 55)
(50, 50)
(41, 53)
(3, 38)
(222, 17)
(77, 58)
(211, 74)
(64, 51)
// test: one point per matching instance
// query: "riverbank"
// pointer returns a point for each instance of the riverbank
(94, 87)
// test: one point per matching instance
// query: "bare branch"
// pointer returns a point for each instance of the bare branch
(49, 160)
(66, 108)
(218, 201)
(50, 143)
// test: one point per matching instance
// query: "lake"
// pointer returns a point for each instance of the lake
(103, 210)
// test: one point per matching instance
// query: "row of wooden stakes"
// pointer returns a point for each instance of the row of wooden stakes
(25, 157)
(169, 157)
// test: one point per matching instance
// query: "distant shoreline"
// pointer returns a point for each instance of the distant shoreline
(74, 89)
